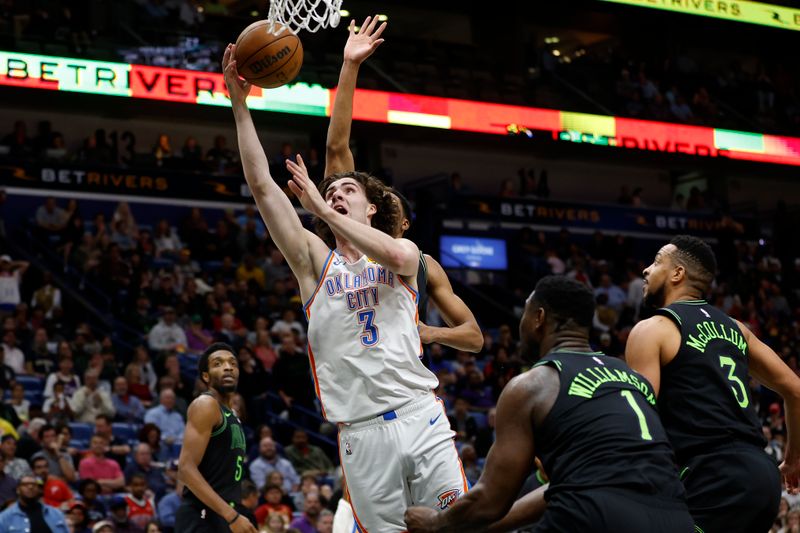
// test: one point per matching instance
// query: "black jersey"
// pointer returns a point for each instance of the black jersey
(603, 430)
(704, 399)
(422, 288)
(223, 461)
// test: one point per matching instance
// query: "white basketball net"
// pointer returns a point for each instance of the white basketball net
(309, 15)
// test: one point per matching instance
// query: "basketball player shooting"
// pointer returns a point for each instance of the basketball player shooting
(211, 461)
(359, 285)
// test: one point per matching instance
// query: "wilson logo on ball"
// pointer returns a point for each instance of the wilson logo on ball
(267, 61)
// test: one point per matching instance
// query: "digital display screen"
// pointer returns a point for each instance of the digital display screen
(473, 252)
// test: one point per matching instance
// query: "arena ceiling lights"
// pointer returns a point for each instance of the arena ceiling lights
(771, 15)
(204, 88)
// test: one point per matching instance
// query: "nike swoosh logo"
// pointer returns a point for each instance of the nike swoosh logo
(228, 414)
(433, 420)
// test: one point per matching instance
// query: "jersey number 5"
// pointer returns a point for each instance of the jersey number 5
(741, 397)
(238, 474)
(370, 335)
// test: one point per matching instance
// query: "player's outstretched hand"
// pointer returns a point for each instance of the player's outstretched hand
(420, 519)
(363, 42)
(243, 525)
(305, 189)
(790, 471)
(238, 89)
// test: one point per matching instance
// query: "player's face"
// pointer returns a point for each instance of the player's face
(347, 196)
(656, 276)
(223, 371)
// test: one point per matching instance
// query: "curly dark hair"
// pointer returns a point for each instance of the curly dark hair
(385, 218)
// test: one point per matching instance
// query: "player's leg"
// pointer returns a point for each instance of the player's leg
(733, 491)
(372, 470)
(343, 519)
(437, 479)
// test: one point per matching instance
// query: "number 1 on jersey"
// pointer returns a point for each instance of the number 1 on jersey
(369, 337)
(628, 395)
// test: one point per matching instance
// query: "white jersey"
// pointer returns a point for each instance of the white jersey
(363, 341)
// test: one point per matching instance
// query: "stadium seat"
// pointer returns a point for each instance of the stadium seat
(81, 431)
(125, 431)
(30, 383)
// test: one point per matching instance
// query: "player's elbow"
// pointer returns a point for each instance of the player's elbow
(474, 339)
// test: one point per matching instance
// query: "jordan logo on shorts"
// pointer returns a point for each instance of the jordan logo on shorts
(447, 497)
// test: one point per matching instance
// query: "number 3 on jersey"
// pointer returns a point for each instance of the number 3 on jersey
(370, 335)
(743, 400)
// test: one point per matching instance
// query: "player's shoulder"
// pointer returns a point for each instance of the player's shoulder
(203, 405)
(652, 326)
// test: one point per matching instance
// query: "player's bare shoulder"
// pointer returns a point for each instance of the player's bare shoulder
(204, 411)
(534, 392)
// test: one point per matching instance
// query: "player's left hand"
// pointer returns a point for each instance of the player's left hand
(363, 42)
(305, 189)
(420, 519)
(790, 471)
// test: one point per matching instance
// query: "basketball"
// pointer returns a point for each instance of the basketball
(268, 60)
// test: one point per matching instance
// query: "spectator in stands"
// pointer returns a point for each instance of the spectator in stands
(251, 215)
(168, 244)
(64, 374)
(20, 145)
(269, 460)
(91, 400)
(469, 462)
(192, 153)
(273, 505)
(162, 149)
(325, 522)
(30, 438)
(12, 356)
(128, 408)
(148, 376)
(50, 219)
(56, 490)
(7, 374)
(462, 422)
(28, 513)
(121, 236)
(166, 334)
(118, 513)
(97, 466)
(197, 337)
(276, 268)
(311, 510)
(11, 273)
(143, 464)
(287, 324)
(507, 189)
(264, 351)
(141, 506)
(59, 463)
(167, 418)
(306, 457)
(77, 517)
(249, 271)
(291, 374)
(275, 523)
(8, 484)
(182, 385)
(57, 408)
(19, 403)
(118, 448)
(220, 156)
(40, 355)
(89, 490)
(616, 296)
(15, 467)
(249, 501)
(47, 296)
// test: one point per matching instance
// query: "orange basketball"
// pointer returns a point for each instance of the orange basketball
(266, 59)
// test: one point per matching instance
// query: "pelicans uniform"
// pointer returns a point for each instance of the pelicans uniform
(395, 442)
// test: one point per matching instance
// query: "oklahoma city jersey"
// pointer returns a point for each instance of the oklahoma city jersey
(363, 341)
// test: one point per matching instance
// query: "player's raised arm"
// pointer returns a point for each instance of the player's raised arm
(398, 255)
(279, 215)
(360, 45)
(463, 332)
(202, 416)
(510, 460)
(770, 370)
